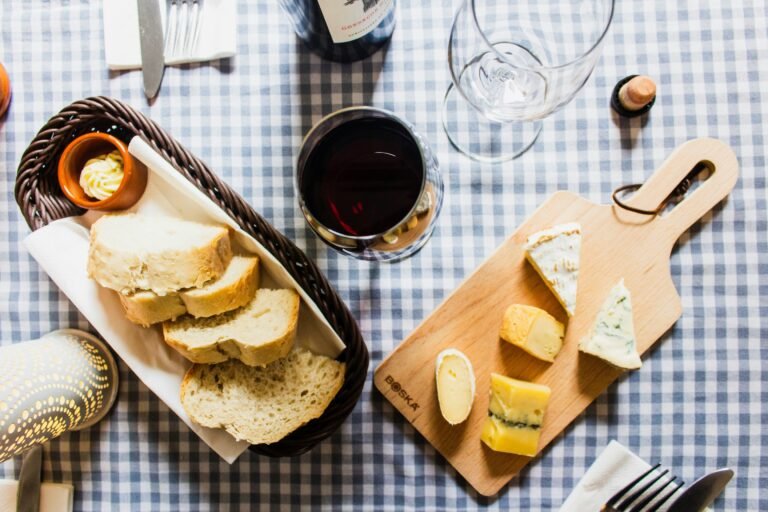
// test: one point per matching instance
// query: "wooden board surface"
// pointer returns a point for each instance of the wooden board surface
(616, 244)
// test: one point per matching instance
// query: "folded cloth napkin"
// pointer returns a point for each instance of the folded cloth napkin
(53, 497)
(613, 469)
(217, 31)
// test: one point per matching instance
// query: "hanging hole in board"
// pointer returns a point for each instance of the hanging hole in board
(700, 173)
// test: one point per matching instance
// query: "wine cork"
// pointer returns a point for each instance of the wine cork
(637, 93)
(633, 95)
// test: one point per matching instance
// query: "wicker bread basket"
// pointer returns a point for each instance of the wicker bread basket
(41, 201)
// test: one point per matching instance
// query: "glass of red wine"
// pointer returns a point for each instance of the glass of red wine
(368, 184)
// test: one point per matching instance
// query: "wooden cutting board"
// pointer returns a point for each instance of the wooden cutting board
(616, 244)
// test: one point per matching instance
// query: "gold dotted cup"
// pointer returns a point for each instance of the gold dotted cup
(66, 380)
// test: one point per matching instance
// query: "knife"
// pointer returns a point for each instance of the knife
(28, 494)
(151, 39)
(702, 492)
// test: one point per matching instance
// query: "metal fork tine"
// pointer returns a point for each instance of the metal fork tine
(171, 26)
(182, 28)
(619, 495)
(188, 5)
(658, 504)
(643, 489)
(181, 31)
(651, 496)
(195, 32)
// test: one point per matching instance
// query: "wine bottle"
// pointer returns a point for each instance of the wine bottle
(342, 30)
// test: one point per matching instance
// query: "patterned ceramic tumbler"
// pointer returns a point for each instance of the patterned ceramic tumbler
(66, 380)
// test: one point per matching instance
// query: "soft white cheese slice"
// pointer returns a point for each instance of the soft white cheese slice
(554, 253)
(613, 335)
(455, 385)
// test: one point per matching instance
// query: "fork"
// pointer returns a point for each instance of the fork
(183, 27)
(613, 504)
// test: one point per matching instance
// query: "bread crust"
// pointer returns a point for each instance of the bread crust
(220, 349)
(244, 432)
(200, 303)
(126, 271)
(147, 308)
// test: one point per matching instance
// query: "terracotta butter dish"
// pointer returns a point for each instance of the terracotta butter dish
(5, 91)
(95, 145)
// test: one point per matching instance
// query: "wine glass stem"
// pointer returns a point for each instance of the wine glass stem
(481, 138)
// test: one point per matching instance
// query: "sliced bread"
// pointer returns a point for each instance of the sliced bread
(257, 334)
(232, 290)
(147, 308)
(130, 252)
(262, 405)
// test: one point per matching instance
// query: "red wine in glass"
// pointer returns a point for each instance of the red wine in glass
(368, 185)
(363, 177)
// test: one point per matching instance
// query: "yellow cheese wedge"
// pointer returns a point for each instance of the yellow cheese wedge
(515, 415)
(455, 385)
(533, 330)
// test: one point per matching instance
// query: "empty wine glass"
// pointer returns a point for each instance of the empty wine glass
(513, 64)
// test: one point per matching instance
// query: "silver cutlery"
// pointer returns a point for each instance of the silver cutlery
(28, 495)
(702, 492)
(183, 32)
(151, 40)
(623, 500)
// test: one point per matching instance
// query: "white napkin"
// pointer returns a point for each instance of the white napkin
(53, 497)
(61, 249)
(218, 28)
(613, 469)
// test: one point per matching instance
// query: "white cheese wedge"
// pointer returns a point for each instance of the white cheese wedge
(613, 335)
(455, 385)
(554, 253)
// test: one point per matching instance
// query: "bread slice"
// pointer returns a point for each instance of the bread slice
(257, 334)
(234, 289)
(130, 252)
(147, 308)
(262, 405)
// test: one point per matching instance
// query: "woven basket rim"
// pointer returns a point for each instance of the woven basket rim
(41, 202)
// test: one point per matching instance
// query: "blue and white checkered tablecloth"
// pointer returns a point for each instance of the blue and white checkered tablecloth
(701, 399)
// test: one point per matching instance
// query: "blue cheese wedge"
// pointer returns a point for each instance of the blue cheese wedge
(613, 335)
(554, 253)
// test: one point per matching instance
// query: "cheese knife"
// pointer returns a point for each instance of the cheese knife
(702, 492)
(151, 40)
(28, 494)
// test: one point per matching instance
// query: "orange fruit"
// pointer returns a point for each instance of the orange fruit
(5, 91)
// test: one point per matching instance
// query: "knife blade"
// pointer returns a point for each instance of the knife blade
(151, 40)
(28, 494)
(702, 492)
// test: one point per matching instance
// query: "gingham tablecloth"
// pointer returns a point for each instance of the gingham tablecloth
(701, 399)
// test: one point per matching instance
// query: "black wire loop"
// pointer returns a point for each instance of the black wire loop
(677, 194)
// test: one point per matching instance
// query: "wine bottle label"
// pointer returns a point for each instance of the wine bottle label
(348, 20)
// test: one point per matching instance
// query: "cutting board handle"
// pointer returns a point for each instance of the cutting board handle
(724, 168)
